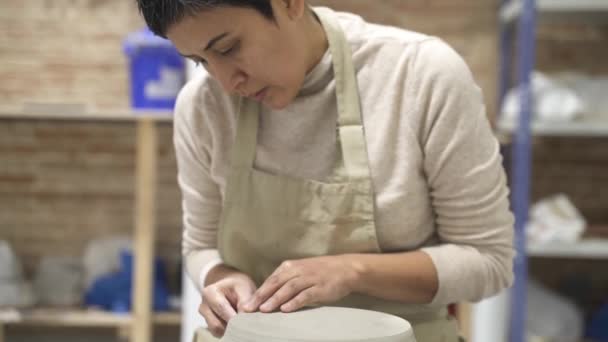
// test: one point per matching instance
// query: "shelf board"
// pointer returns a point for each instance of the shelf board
(588, 128)
(79, 318)
(584, 11)
(584, 249)
(67, 112)
(167, 318)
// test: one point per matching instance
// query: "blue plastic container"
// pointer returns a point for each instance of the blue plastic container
(157, 71)
(112, 291)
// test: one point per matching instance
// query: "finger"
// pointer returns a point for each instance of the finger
(242, 294)
(307, 297)
(215, 325)
(269, 287)
(288, 291)
(222, 307)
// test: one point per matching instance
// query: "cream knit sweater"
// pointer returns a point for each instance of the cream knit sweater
(435, 164)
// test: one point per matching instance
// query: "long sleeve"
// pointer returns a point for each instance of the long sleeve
(201, 199)
(467, 183)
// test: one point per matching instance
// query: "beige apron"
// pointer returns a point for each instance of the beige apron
(267, 219)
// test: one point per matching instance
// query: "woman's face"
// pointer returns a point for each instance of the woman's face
(247, 53)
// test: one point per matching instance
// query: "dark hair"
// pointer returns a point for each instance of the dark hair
(161, 14)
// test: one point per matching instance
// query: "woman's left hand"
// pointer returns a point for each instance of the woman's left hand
(298, 283)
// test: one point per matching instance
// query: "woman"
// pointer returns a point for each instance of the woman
(324, 160)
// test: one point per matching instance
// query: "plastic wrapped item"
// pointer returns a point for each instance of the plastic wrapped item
(14, 290)
(555, 219)
(552, 317)
(58, 281)
(591, 90)
(17, 294)
(554, 101)
(561, 97)
(10, 267)
(102, 257)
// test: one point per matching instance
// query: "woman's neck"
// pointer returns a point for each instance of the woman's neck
(317, 40)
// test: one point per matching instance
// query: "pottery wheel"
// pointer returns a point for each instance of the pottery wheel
(319, 324)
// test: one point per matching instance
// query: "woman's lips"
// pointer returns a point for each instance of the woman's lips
(259, 96)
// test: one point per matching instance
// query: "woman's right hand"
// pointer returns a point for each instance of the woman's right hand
(224, 297)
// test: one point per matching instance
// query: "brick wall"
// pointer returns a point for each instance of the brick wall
(63, 183)
(65, 51)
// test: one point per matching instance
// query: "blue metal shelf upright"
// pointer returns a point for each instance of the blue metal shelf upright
(524, 31)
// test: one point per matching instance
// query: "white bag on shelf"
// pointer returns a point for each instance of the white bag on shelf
(18, 294)
(58, 281)
(591, 90)
(554, 101)
(10, 267)
(555, 219)
(102, 257)
(14, 290)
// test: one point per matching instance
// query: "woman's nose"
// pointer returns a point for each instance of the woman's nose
(232, 78)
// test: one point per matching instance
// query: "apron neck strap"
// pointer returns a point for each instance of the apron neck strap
(350, 123)
(347, 92)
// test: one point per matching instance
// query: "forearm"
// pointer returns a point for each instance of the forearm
(219, 272)
(408, 277)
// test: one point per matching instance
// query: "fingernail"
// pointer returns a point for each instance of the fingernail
(265, 307)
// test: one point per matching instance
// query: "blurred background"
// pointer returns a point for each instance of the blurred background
(82, 148)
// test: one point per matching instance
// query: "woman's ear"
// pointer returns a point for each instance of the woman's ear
(295, 9)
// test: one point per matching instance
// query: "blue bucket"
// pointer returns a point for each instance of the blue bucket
(157, 71)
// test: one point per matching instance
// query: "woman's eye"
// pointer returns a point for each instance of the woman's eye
(226, 52)
(230, 50)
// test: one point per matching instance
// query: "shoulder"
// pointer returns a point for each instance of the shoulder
(376, 37)
(358, 29)
(439, 64)
(443, 92)
(419, 55)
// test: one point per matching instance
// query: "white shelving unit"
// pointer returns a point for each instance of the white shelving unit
(519, 21)
(584, 249)
(581, 128)
(65, 112)
(78, 318)
(560, 10)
